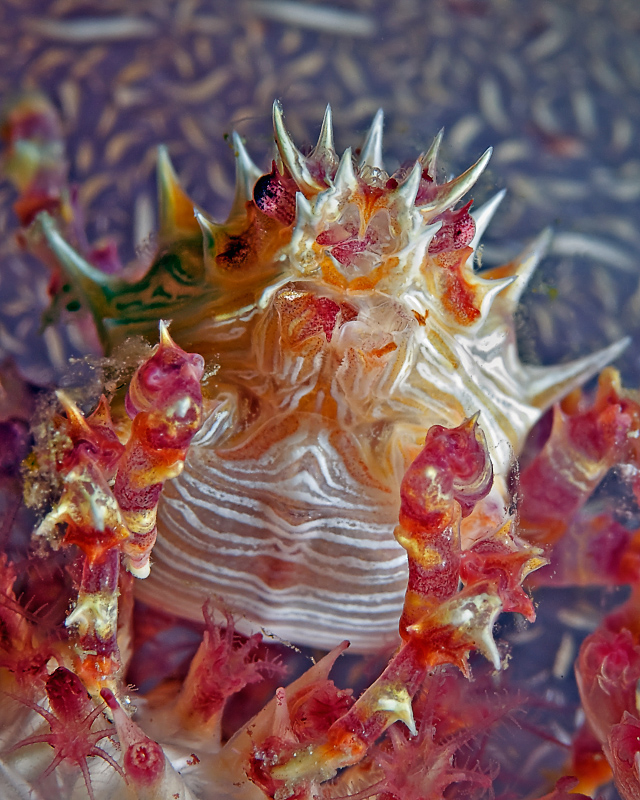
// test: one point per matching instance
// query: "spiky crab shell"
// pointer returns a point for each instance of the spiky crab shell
(342, 311)
(374, 327)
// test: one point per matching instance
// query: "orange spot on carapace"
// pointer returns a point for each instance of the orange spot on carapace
(458, 296)
(382, 351)
(421, 318)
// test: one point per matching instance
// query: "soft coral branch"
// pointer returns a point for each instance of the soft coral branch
(224, 664)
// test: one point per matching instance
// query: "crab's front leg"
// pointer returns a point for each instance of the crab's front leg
(165, 402)
(445, 483)
(111, 493)
(440, 624)
(452, 473)
(92, 522)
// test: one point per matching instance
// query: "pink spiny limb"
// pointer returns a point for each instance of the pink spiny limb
(70, 721)
(95, 619)
(448, 626)
(94, 524)
(166, 377)
(452, 473)
(93, 437)
(586, 440)
(224, 664)
(503, 561)
(165, 401)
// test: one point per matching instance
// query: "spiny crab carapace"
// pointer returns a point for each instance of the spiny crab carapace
(329, 447)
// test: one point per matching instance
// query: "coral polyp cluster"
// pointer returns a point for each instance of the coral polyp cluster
(325, 446)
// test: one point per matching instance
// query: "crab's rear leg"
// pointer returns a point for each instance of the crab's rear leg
(587, 439)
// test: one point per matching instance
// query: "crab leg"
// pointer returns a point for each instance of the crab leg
(166, 403)
(439, 624)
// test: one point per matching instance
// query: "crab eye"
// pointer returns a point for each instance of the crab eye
(275, 196)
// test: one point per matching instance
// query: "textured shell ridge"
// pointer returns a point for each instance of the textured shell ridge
(366, 324)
